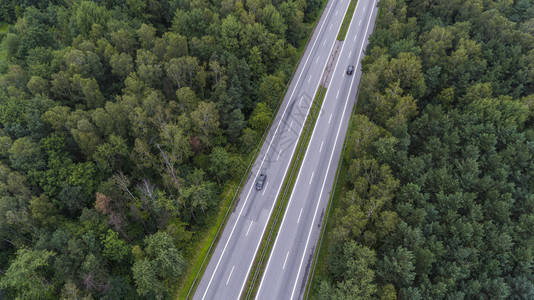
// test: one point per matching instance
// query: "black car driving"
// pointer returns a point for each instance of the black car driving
(261, 181)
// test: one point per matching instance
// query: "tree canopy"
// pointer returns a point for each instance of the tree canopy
(121, 123)
(437, 200)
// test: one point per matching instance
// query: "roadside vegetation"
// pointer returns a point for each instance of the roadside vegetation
(124, 128)
(261, 259)
(200, 262)
(438, 196)
(346, 21)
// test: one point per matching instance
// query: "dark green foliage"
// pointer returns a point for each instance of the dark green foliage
(453, 225)
(162, 260)
(120, 124)
(26, 275)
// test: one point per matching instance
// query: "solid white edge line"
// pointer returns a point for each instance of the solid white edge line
(293, 151)
(264, 189)
(230, 276)
(300, 213)
(298, 175)
(263, 160)
(332, 154)
(287, 255)
(249, 226)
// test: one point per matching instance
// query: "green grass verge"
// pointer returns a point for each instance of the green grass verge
(186, 287)
(281, 203)
(346, 21)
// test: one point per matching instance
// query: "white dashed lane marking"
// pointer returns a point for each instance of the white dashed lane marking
(230, 275)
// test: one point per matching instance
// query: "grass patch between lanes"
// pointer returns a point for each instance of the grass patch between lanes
(346, 21)
(281, 203)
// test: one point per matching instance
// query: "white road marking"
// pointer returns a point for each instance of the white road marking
(228, 280)
(350, 53)
(324, 43)
(317, 59)
(355, 37)
(360, 23)
(249, 226)
(300, 213)
(278, 192)
(329, 118)
(285, 260)
(290, 125)
(337, 95)
(264, 189)
(364, 8)
(331, 155)
(278, 155)
(336, 12)
(311, 178)
(321, 148)
(301, 100)
(309, 79)
(255, 178)
(330, 26)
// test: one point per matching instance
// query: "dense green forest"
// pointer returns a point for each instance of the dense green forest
(438, 200)
(121, 122)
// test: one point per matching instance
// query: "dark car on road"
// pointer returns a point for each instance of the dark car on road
(261, 181)
(350, 70)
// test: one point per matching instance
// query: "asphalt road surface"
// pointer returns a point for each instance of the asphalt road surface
(230, 264)
(288, 266)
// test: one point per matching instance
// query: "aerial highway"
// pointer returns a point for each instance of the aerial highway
(287, 269)
(227, 271)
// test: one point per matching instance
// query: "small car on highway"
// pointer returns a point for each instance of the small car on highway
(350, 70)
(261, 181)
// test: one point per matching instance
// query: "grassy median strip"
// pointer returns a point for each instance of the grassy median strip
(346, 22)
(210, 236)
(281, 203)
